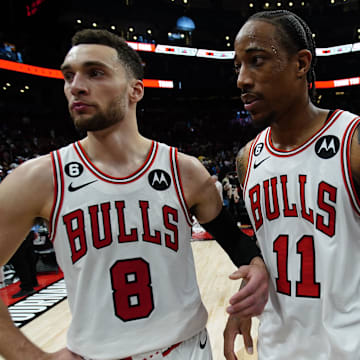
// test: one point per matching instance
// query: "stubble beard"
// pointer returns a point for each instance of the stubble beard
(263, 122)
(102, 119)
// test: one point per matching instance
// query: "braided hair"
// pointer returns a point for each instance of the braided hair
(295, 34)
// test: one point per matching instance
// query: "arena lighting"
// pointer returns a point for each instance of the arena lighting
(337, 83)
(212, 54)
(142, 46)
(152, 83)
(175, 50)
(33, 7)
(57, 74)
(337, 50)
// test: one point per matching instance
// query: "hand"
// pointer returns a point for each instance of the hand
(237, 325)
(63, 354)
(251, 299)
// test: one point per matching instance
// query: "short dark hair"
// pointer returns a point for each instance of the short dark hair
(127, 56)
(295, 35)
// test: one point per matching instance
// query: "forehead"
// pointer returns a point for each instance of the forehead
(257, 34)
(82, 54)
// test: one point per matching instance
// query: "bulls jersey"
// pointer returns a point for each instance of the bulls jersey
(305, 211)
(124, 247)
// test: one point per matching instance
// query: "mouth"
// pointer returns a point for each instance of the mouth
(250, 101)
(79, 106)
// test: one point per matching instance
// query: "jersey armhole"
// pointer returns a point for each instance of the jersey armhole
(58, 177)
(248, 167)
(350, 185)
(178, 185)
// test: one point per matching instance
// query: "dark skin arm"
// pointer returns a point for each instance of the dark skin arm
(355, 157)
(238, 324)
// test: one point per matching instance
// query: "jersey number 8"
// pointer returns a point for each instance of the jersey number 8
(132, 291)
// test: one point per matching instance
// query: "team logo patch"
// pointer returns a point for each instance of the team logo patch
(159, 179)
(258, 149)
(74, 169)
(327, 146)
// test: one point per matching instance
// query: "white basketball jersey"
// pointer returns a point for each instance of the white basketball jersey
(124, 247)
(304, 209)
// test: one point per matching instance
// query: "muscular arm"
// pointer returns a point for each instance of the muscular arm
(205, 203)
(241, 162)
(355, 158)
(200, 191)
(24, 195)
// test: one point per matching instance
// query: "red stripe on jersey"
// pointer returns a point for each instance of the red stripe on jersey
(346, 170)
(287, 153)
(56, 192)
(170, 349)
(176, 176)
(248, 168)
(114, 180)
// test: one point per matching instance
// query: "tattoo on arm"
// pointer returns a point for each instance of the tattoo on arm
(241, 164)
(358, 133)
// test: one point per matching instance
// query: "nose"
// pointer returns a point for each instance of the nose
(78, 85)
(244, 79)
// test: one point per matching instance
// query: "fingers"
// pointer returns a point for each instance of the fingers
(251, 299)
(248, 342)
(249, 306)
(230, 334)
(240, 273)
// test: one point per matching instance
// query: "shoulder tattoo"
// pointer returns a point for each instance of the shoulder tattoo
(241, 164)
(358, 133)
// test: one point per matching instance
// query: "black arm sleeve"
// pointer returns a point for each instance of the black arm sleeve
(240, 247)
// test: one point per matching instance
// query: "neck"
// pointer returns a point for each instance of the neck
(297, 125)
(118, 150)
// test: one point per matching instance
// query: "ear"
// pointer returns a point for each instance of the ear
(304, 59)
(136, 92)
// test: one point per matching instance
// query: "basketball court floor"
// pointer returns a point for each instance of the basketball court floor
(44, 317)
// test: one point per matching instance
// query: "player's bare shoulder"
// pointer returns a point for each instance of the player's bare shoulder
(242, 159)
(195, 178)
(31, 182)
(355, 155)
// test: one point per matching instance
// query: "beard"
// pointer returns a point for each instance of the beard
(101, 120)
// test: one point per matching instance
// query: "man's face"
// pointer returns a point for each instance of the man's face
(96, 86)
(265, 72)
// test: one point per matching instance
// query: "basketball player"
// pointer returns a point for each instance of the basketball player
(118, 206)
(301, 179)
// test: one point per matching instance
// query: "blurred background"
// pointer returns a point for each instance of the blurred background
(202, 114)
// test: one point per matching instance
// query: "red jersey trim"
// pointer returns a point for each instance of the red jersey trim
(283, 153)
(248, 168)
(113, 180)
(170, 349)
(178, 185)
(346, 165)
(58, 177)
